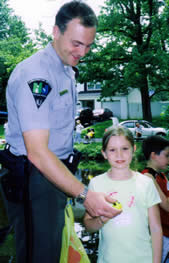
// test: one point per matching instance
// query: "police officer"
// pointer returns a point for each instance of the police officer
(41, 99)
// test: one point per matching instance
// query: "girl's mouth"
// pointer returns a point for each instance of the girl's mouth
(120, 161)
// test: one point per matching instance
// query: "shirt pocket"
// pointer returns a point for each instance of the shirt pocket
(62, 111)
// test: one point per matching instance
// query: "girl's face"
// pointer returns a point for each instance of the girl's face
(162, 160)
(118, 152)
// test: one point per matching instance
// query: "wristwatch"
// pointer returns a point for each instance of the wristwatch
(82, 196)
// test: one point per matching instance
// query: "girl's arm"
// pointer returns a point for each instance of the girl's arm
(93, 224)
(156, 232)
(165, 200)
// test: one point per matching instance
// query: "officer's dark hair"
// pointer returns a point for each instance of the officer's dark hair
(154, 143)
(72, 10)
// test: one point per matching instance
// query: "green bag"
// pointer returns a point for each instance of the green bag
(72, 248)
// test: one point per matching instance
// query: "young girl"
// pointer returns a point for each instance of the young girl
(135, 235)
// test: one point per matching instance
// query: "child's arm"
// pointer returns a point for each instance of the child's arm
(165, 200)
(93, 224)
(156, 232)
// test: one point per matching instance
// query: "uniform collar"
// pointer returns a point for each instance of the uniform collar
(51, 51)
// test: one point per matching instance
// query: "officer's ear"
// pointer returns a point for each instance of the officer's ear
(56, 32)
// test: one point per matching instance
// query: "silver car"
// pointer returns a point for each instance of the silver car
(146, 127)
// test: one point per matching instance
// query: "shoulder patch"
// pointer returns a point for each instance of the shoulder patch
(40, 90)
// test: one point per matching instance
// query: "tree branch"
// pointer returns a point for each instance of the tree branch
(158, 91)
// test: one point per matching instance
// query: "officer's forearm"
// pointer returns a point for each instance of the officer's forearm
(36, 142)
(57, 173)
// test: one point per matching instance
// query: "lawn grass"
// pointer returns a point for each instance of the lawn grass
(99, 128)
(1, 131)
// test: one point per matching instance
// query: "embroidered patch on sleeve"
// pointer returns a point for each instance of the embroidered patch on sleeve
(40, 90)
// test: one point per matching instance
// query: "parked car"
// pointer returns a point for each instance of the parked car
(85, 115)
(102, 114)
(147, 128)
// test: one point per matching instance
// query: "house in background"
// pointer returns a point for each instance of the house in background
(123, 106)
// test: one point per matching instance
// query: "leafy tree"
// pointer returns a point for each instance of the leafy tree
(15, 45)
(131, 49)
(42, 38)
(165, 116)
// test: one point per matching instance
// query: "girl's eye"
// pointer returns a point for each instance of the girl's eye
(125, 148)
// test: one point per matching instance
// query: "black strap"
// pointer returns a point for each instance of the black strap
(153, 172)
(73, 160)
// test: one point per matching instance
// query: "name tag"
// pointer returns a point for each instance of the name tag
(63, 92)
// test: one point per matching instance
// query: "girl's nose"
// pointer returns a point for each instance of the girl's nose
(119, 153)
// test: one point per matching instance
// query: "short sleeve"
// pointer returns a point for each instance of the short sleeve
(152, 195)
(32, 103)
(91, 185)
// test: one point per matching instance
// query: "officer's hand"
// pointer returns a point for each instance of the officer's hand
(100, 204)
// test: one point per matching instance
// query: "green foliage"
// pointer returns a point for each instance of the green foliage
(131, 49)
(1, 131)
(15, 44)
(90, 151)
(165, 116)
(138, 162)
(8, 247)
(92, 158)
(94, 168)
(1, 136)
(42, 38)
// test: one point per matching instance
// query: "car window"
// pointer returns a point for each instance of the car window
(150, 125)
(129, 124)
(145, 125)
